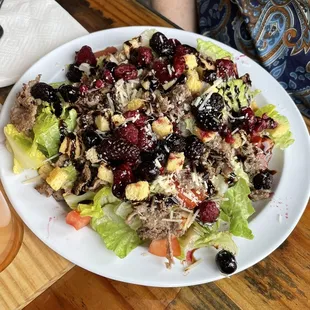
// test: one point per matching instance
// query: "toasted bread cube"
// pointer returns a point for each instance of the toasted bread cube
(118, 119)
(162, 127)
(190, 61)
(92, 155)
(238, 141)
(175, 162)
(102, 123)
(105, 174)
(193, 83)
(135, 104)
(204, 136)
(45, 170)
(57, 178)
(137, 191)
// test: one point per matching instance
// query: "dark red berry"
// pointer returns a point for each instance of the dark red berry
(226, 134)
(208, 211)
(138, 118)
(128, 132)
(122, 176)
(125, 72)
(184, 49)
(174, 43)
(85, 55)
(107, 76)
(118, 149)
(74, 74)
(83, 89)
(160, 44)
(162, 73)
(226, 69)
(226, 262)
(263, 180)
(99, 84)
(147, 171)
(194, 148)
(178, 65)
(44, 92)
(144, 56)
(69, 93)
(146, 140)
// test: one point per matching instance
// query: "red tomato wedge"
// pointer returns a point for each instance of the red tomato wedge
(159, 247)
(106, 51)
(189, 203)
(74, 219)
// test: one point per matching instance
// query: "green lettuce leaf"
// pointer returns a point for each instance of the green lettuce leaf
(73, 200)
(91, 210)
(25, 156)
(209, 49)
(237, 208)
(105, 196)
(116, 234)
(71, 176)
(56, 85)
(46, 132)
(69, 116)
(281, 135)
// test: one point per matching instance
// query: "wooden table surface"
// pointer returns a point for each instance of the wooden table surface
(281, 281)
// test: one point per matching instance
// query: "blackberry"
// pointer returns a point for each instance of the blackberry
(122, 176)
(176, 143)
(209, 76)
(161, 153)
(74, 74)
(69, 93)
(161, 45)
(44, 92)
(194, 148)
(90, 138)
(118, 149)
(216, 101)
(226, 262)
(263, 180)
(147, 171)
(209, 121)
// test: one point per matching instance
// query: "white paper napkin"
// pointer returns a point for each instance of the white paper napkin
(32, 28)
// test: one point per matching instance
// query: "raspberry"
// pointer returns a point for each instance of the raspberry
(69, 93)
(125, 72)
(107, 76)
(140, 119)
(147, 171)
(74, 74)
(122, 176)
(194, 148)
(184, 49)
(179, 65)
(85, 55)
(99, 84)
(146, 140)
(128, 132)
(141, 56)
(83, 89)
(176, 143)
(44, 92)
(118, 149)
(160, 44)
(209, 212)
(161, 71)
(226, 69)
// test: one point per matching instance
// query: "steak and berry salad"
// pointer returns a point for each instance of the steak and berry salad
(156, 143)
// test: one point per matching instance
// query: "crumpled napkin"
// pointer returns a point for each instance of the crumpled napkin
(32, 28)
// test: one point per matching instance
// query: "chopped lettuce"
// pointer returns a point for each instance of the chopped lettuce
(281, 135)
(73, 200)
(46, 132)
(116, 234)
(69, 116)
(239, 171)
(209, 49)
(105, 196)
(71, 176)
(25, 156)
(237, 208)
(90, 209)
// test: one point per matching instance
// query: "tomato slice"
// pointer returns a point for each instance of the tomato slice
(74, 219)
(189, 203)
(159, 247)
(106, 51)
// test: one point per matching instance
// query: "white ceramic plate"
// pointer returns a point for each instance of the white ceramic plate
(46, 218)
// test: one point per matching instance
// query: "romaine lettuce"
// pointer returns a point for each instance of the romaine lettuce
(25, 156)
(209, 49)
(73, 200)
(237, 208)
(281, 135)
